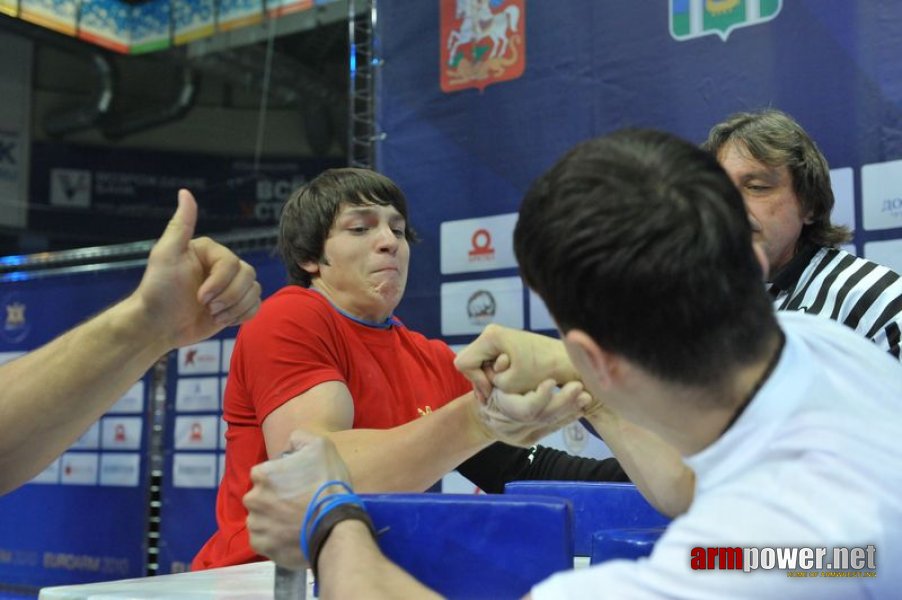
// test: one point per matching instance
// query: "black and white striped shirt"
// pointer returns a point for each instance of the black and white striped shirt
(853, 291)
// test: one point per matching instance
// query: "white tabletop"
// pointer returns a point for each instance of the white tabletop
(252, 581)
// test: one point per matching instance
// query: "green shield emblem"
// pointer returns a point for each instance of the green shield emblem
(690, 19)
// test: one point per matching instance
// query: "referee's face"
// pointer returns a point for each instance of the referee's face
(774, 209)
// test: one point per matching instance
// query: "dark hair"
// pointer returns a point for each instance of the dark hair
(309, 213)
(775, 139)
(641, 240)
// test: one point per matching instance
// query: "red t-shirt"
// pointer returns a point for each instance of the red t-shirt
(296, 341)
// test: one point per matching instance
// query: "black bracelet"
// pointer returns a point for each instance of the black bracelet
(332, 518)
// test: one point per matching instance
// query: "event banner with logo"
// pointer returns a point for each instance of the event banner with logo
(93, 189)
(84, 517)
(194, 439)
(479, 97)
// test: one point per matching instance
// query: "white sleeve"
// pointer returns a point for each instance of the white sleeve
(737, 516)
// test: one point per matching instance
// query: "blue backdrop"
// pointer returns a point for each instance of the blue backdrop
(592, 67)
(86, 519)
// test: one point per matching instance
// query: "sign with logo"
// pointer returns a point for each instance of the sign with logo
(539, 317)
(197, 394)
(194, 470)
(50, 474)
(881, 195)
(120, 469)
(78, 468)
(482, 244)
(843, 183)
(887, 253)
(199, 358)
(482, 42)
(121, 433)
(468, 306)
(196, 432)
(228, 345)
(90, 439)
(70, 187)
(690, 19)
(15, 323)
(132, 401)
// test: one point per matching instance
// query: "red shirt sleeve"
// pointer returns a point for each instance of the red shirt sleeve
(289, 347)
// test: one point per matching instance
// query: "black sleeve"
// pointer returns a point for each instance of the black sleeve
(500, 463)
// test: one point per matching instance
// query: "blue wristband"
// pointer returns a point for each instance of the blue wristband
(320, 507)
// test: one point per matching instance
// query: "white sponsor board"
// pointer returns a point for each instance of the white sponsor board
(199, 358)
(90, 439)
(887, 253)
(197, 394)
(468, 306)
(193, 470)
(223, 427)
(78, 468)
(539, 317)
(50, 474)
(121, 433)
(881, 195)
(482, 244)
(227, 347)
(843, 183)
(5, 357)
(196, 432)
(222, 391)
(120, 469)
(132, 401)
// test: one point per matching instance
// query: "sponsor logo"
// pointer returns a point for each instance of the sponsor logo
(196, 432)
(15, 327)
(8, 152)
(483, 42)
(575, 438)
(120, 469)
(197, 394)
(690, 19)
(79, 468)
(70, 187)
(881, 195)
(797, 561)
(481, 307)
(194, 470)
(481, 243)
(891, 207)
(190, 355)
(200, 358)
(121, 432)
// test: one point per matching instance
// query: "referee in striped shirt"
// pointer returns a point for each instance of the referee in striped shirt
(785, 182)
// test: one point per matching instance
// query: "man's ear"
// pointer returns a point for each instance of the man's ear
(592, 361)
(311, 266)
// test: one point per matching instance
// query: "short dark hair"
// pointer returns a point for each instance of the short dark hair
(642, 241)
(309, 213)
(776, 139)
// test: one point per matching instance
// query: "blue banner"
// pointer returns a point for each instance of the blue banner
(98, 191)
(479, 98)
(83, 518)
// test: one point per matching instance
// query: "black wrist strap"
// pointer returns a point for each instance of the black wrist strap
(332, 518)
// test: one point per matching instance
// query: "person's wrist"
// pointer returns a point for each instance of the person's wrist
(481, 432)
(132, 320)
